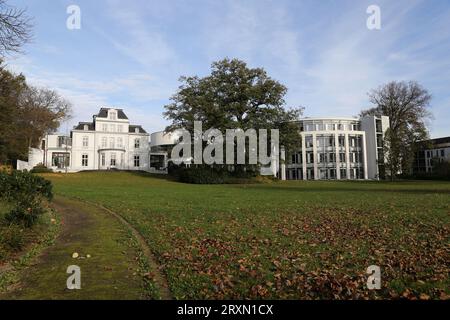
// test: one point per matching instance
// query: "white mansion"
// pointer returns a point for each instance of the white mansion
(331, 148)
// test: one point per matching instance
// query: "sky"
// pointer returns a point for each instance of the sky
(130, 54)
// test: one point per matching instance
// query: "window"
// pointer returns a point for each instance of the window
(341, 141)
(343, 173)
(103, 159)
(84, 160)
(309, 157)
(332, 174)
(111, 143)
(113, 159)
(341, 157)
(60, 160)
(105, 127)
(310, 174)
(85, 141)
(119, 128)
(340, 126)
(62, 140)
(112, 115)
(322, 158)
(104, 142)
(136, 161)
(119, 142)
(352, 157)
(137, 143)
(309, 142)
(332, 157)
(442, 153)
(112, 127)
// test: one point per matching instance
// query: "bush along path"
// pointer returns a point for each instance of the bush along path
(113, 261)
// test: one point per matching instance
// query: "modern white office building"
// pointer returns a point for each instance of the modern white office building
(330, 148)
(338, 149)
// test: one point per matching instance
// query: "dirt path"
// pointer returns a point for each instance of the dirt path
(109, 259)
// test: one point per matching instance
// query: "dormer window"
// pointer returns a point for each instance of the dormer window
(136, 130)
(112, 115)
(86, 127)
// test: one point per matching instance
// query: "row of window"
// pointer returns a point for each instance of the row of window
(437, 153)
(112, 142)
(112, 160)
(331, 127)
(355, 157)
(112, 128)
(324, 174)
(329, 141)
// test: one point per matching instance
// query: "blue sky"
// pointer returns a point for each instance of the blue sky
(130, 54)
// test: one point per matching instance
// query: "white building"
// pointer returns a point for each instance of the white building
(338, 149)
(108, 142)
(431, 152)
(331, 148)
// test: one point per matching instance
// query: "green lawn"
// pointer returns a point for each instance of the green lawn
(288, 239)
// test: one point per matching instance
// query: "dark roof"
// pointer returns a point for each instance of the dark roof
(104, 113)
(434, 142)
(80, 126)
(132, 129)
(440, 140)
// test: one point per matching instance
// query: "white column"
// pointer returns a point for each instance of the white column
(338, 160)
(315, 156)
(304, 157)
(283, 163)
(347, 155)
(364, 152)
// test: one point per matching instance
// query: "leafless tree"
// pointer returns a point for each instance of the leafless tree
(15, 28)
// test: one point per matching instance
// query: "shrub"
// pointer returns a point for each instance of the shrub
(12, 238)
(202, 175)
(40, 168)
(26, 192)
(214, 175)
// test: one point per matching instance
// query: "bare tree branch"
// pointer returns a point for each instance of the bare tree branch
(15, 28)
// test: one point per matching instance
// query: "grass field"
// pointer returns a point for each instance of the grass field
(290, 239)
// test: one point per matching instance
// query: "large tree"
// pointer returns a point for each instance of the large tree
(27, 113)
(11, 89)
(407, 105)
(234, 96)
(15, 28)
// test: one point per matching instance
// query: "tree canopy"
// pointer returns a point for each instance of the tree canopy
(234, 96)
(407, 106)
(27, 113)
